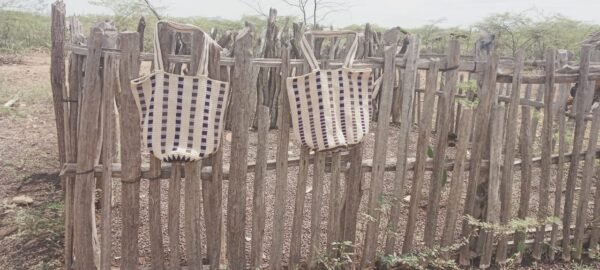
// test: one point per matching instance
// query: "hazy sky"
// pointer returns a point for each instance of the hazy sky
(382, 12)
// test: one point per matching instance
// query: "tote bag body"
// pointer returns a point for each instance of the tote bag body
(182, 117)
(330, 108)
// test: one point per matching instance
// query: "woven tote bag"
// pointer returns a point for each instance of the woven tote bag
(330, 108)
(181, 116)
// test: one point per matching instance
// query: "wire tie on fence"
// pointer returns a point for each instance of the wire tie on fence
(452, 68)
(69, 100)
(85, 172)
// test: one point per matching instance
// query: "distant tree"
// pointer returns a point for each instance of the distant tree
(24, 5)
(126, 13)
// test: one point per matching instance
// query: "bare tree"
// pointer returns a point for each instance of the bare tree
(314, 11)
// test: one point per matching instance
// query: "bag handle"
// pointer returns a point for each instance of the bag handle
(309, 54)
(185, 28)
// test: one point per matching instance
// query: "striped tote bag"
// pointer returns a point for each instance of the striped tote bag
(181, 116)
(330, 108)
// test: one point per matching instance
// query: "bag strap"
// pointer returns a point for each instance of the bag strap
(309, 54)
(185, 28)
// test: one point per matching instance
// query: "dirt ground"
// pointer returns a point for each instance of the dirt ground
(31, 233)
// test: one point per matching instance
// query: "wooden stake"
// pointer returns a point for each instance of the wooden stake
(525, 143)
(506, 184)
(580, 126)
(546, 145)
(425, 127)
(258, 207)
(108, 101)
(131, 159)
(83, 241)
(379, 151)
(281, 172)
(493, 210)
(316, 203)
(295, 249)
(446, 103)
(480, 141)
(456, 184)
(174, 205)
(583, 104)
(236, 197)
(192, 209)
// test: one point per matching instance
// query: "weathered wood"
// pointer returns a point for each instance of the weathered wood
(75, 86)
(154, 216)
(316, 203)
(510, 142)
(57, 74)
(493, 203)
(266, 86)
(295, 249)
(141, 30)
(281, 172)
(212, 189)
(596, 220)
(131, 159)
(419, 108)
(335, 201)
(445, 106)
(258, 200)
(352, 196)
(560, 170)
(83, 242)
(192, 210)
(546, 145)
(236, 197)
(379, 150)
(525, 144)
(63, 130)
(422, 145)
(174, 205)
(539, 96)
(487, 96)
(583, 105)
(459, 106)
(108, 115)
(580, 127)
(456, 184)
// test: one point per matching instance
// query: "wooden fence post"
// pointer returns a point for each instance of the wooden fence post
(580, 126)
(525, 143)
(391, 38)
(236, 199)
(546, 145)
(584, 97)
(493, 199)
(425, 127)
(108, 118)
(258, 201)
(83, 239)
(281, 173)
(487, 96)
(57, 71)
(212, 191)
(446, 106)
(131, 159)
(506, 185)
(456, 184)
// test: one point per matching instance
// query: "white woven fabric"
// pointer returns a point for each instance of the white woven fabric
(330, 108)
(182, 117)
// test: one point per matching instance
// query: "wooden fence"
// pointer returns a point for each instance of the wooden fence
(455, 152)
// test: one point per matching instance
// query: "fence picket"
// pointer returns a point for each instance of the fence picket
(580, 126)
